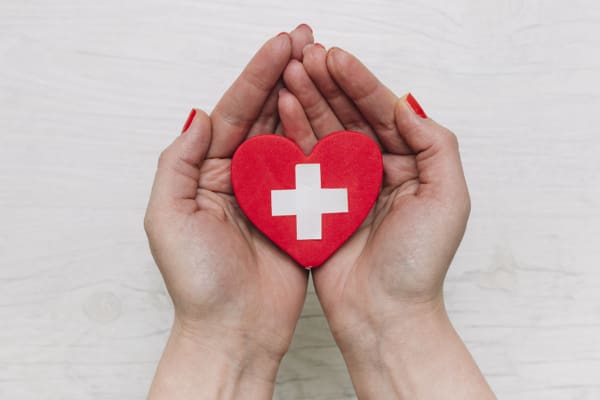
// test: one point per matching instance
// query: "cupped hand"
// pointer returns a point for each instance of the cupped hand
(396, 262)
(232, 289)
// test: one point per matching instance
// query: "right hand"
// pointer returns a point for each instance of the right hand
(237, 297)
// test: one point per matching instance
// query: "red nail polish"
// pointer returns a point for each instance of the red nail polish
(414, 104)
(189, 120)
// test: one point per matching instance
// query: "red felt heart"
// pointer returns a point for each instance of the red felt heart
(278, 188)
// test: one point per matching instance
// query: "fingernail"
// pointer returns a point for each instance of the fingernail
(308, 46)
(336, 52)
(320, 45)
(305, 26)
(414, 104)
(281, 34)
(189, 120)
(335, 58)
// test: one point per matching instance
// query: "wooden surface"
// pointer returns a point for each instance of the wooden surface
(90, 92)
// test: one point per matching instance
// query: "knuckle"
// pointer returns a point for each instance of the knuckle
(318, 110)
(154, 225)
(148, 223)
(467, 205)
(450, 139)
(259, 82)
(164, 157)
(386, 126)
(332, 93)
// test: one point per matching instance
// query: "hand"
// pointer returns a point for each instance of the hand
(382, 290)
(237, 297)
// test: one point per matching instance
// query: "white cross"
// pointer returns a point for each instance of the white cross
(308, 201)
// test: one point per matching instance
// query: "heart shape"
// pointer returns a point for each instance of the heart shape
(307, 205)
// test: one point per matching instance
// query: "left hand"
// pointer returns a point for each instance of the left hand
(382, 290)
(400, 254)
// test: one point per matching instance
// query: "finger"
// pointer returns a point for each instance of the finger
(215, 176)
(294, 121)
(436, 148)
(179, 164)
(300, 37)
(315, 64)
(279, 128)
(242, 103)
(267, 120)
(321, 116)
(398, 171)
(373, 99)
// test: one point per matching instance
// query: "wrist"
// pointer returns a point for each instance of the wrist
(370, 340)
(362, 327)
(213, 364)
(413, 353)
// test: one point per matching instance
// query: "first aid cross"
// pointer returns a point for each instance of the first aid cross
(308, 202)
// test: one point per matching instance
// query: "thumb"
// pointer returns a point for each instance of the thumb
(179, 164)
(436, 149)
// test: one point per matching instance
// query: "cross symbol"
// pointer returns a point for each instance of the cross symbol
(308, 202)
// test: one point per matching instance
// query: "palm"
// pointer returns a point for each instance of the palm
(221, 274)
(403, 248)
(233, 265)
(381, 259)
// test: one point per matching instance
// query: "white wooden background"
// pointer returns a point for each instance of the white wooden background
(91, 91)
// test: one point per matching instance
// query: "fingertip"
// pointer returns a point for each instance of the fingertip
(308, 33)
(334, 56)
(305, 50)
(292, 71)
(288, 106)
(197, 138)
(408, 111)
(338, 64)
(294, 122)
(203, 121)
(181, 161)
(299, 38)
(286, 101)
(198, 120)
(294, 64)
(306, 27)
(414, 104)
(282, 44)
(188, 121)
(418, 130)
(312, 52)
(297, 66)
(406, 119)
(283, 92)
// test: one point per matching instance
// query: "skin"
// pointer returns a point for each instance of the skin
(237, 297)
(382, 291)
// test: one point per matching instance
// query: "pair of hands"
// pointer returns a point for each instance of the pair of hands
(237, 297)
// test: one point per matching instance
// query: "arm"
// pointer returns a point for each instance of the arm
(382, 292)
(197, 367)
(419, 356)
(228, 336)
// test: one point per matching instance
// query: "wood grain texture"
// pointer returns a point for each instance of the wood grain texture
(90, 92)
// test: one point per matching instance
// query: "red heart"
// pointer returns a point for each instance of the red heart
(263, 174)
